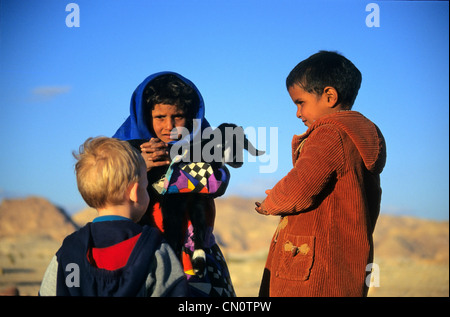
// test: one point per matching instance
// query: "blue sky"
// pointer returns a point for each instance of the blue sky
(60, 85)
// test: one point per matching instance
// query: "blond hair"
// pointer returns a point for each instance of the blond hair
(105, 169)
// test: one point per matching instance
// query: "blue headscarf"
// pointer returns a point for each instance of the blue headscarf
(135, 126)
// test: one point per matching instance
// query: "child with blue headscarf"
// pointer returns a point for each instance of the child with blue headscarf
(163, 107)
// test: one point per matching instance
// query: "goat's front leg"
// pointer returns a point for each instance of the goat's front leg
(198, 220)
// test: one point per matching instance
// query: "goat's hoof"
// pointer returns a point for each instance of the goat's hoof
(199, 262)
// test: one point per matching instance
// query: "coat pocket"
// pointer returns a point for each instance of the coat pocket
(295, 257)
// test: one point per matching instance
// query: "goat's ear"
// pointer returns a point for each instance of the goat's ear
(251, 148)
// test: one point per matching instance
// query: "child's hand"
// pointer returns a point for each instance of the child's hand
(260, 208)
(155, 153)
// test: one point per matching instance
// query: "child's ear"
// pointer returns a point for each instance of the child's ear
(133, 192)
(331, 96)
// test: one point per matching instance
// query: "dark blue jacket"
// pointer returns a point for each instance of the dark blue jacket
(152, 268)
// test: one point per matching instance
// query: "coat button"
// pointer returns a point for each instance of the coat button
(304, 249)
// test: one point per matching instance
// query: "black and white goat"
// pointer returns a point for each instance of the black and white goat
(229, 141)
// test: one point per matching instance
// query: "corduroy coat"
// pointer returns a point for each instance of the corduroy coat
(329, 203)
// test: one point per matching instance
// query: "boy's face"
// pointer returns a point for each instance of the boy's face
(165, 118)
(143, 197)
(310, 106)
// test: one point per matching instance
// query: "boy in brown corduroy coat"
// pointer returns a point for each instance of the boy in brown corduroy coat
(330, 200)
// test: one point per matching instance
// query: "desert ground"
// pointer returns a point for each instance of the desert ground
(412, 254)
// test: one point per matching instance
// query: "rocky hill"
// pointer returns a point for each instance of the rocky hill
(412, 238)
(34, 216)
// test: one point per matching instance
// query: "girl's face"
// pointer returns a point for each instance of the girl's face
(164, 119)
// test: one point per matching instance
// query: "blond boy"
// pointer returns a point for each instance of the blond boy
(113, 255)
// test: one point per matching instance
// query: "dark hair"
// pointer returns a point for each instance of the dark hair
(327, 69)
(171, 90)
